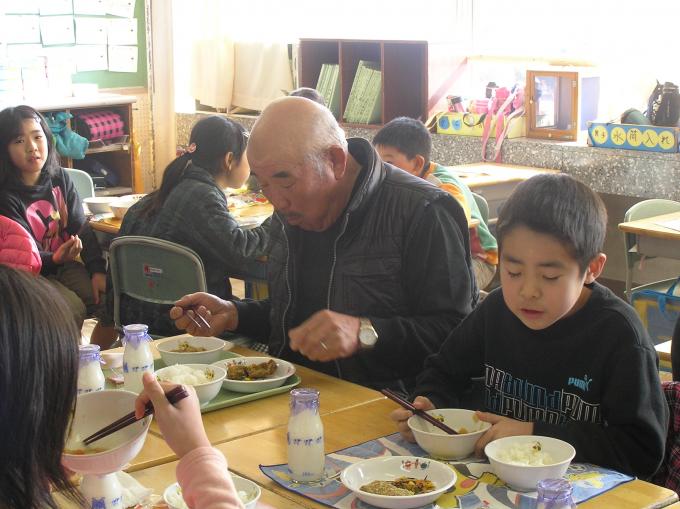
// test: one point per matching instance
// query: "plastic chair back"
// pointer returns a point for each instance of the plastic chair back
(153, 270)
(642, 210)
(82, 182)
(483, 206)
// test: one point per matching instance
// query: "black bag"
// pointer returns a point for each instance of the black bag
(663, 106)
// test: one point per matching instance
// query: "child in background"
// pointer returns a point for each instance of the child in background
(190, 208)
(39, 356)
(38, 194)
(406, 143)
(560, 354)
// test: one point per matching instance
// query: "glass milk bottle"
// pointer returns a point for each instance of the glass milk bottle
(90, 375)
(305, 436)
(137, 356)
(554, 494)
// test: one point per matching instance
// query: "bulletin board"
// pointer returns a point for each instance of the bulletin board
(108, 79)
(129, 75)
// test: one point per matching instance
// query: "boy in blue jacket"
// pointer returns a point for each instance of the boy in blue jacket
(560, 354)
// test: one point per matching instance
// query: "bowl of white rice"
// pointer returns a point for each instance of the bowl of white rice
(206, 379)
(522, 461)
(248, 492)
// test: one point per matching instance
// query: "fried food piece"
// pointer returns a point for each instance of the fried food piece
(415, 486)
(238, 371)
(385, 488)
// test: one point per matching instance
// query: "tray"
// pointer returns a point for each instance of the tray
(225, 398)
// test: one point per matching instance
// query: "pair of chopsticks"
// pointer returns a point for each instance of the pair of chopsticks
(173, 396)
(205, 322)
(417, 411)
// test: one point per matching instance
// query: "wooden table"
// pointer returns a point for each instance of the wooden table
(654, 239)
(495, 181)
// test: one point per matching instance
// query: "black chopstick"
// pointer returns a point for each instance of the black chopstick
(419, 412)
(173, 396)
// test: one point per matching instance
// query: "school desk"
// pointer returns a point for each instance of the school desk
(653, 239)
(495, 181)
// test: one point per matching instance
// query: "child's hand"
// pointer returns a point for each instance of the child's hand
(98, 285)
(68, 251)
(401, 415)
(500, 427)
(180, 424)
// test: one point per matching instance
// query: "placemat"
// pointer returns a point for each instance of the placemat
(477, 487)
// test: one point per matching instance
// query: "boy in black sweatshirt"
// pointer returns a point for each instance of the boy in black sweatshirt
(559, 354)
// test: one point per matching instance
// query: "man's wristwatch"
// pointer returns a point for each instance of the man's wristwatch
(367, 334)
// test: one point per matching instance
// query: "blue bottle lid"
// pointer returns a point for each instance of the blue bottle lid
(88, 353)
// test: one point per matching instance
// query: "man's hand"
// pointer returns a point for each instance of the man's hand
(68, 251)
(326, 336)
(98, 286)
(220, 314)
(500, 427)
(401, 415)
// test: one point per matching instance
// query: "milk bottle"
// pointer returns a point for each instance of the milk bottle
(137, 357)
(305, 436)
(90, 375)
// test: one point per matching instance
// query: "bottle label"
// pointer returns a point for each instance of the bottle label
(135, 369)
(304, 442)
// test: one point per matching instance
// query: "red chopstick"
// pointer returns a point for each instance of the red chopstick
(419, 412)
(173, 396)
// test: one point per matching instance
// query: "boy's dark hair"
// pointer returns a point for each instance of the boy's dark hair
(212, 137)
(38, 385)
(309, 93)
(560, 206)
(10, 127)
(408, 135)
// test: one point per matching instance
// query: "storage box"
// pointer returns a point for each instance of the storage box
(658, 311)
(649, 138)
(454, 123)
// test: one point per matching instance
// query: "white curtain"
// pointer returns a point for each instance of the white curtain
(227, 72)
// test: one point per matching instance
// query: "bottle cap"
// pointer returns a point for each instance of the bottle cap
(553, 490)
(88, 353)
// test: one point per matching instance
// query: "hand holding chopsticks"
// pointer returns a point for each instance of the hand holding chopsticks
(419, 412)
(204, 322)
(173, 396)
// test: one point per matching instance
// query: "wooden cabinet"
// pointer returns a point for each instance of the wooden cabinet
(116, 155)
(404, 67)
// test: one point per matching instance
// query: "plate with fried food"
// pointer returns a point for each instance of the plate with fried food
(255, 374)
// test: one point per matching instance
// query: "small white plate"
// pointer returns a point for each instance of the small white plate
(389, 468)
(284, 369)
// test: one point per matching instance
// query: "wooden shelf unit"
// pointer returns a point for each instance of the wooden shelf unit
(117, 157)
(404, 67)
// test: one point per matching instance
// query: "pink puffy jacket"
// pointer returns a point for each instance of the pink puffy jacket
(17, 247)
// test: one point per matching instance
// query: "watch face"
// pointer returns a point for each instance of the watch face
(367, 336)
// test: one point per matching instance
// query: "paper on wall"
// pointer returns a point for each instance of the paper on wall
(23, 7)
(122, 8)
(91, 58)
(90, 7)
(22, 29)
(123, 58)
(51, 7)
(91, 30)
(122, 31)
(56, 30)
(19, 53)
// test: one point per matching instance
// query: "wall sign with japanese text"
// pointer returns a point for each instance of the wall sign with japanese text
(633, 137)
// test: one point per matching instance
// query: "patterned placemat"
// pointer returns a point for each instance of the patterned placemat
(477, 487)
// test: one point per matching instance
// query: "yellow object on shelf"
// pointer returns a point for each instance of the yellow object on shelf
(468, 124)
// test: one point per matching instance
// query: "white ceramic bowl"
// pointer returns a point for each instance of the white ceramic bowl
(440, 444)
(389, 468)
(284, 369)
(213, 347)
(99, 204)
(133, 197)
(526, 477)
(248, 492)
(94, 410)
(120, 206)
(206, 392)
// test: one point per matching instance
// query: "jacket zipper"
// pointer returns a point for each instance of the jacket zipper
(290, 293)
(330, 278)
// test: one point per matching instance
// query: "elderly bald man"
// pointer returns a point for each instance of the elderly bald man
(369, 268)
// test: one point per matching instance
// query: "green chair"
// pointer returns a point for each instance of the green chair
(82, 182)
(153, 270)
(642, 210)
(483, 206)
